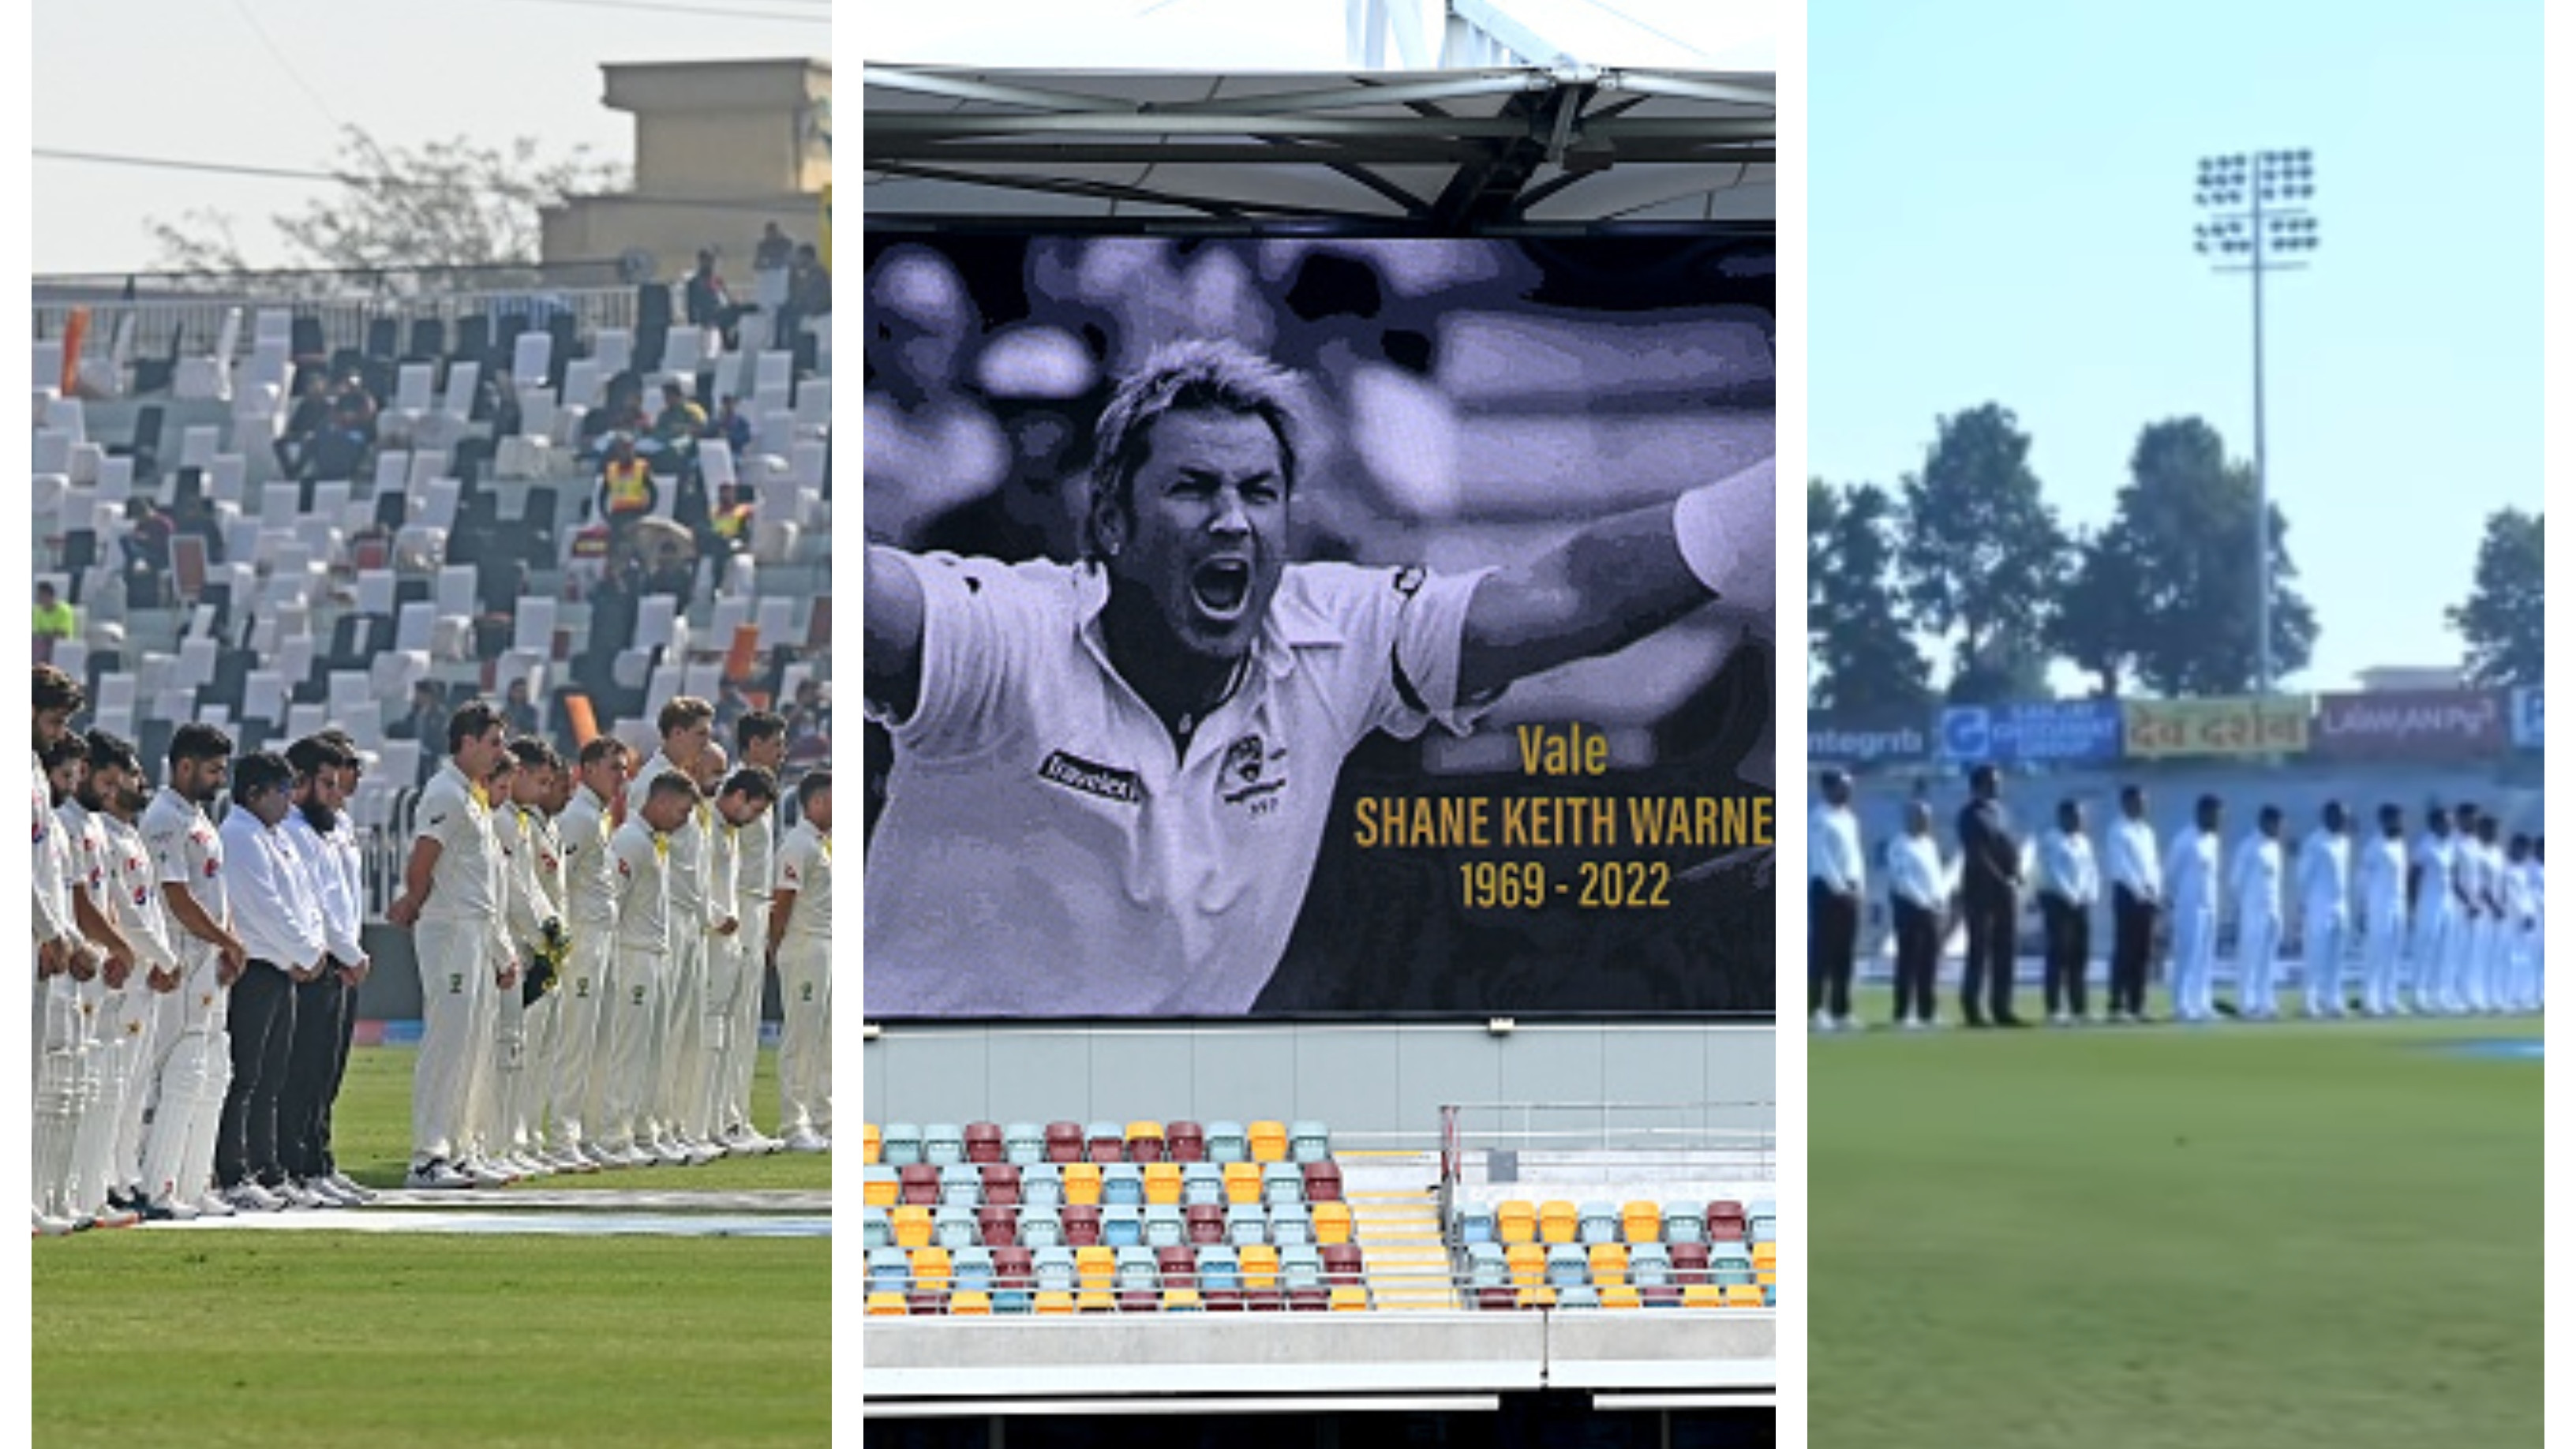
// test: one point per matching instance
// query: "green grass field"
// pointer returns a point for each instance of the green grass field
(392, 1341)
(2275, 1235)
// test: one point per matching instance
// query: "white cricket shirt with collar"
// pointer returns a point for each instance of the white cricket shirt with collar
(805, 867)
(53, 902)
(2255, 879)
(333, 869)
(2131, 861)
(2436, 855)
(187, 852)
(2381, 873)
(688, 854)
(590, 869)
(1833, 851)
(2191, 869)
(643, 867)
(466, 884)
(137, 893)
(2325, 872)
(1046, 848)
(1914, 870)
(2066, 867)
(280, 921)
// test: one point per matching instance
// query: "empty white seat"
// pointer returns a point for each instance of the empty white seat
(613, 350)
(534, 628)
(413, 383)
(395, 671)
(775, 371)
(199, 444)
(428, 464)
(280, 503)
(774, 430)
(376, 592)
(85, 460)
(115, 480)
(48, 361)
(364, 719)
(715, 464)
(64, 415)
(454, 592)
(264, 695)
(116, 691)
(412, 625)
(531, 356)
(683, 349)
(294, 655)
(705, 681)
(393, 470)
(462, 379)
(54, 452)
(175, 705)
(437, 503)
(272, 324)
(399, 760)
(814, 402)
(536, 411)
(581, 383)
(656, 622)
(305, 719)
(777, 621)
(71, 656)
(349, 686)
(806, 462)
(227, 478)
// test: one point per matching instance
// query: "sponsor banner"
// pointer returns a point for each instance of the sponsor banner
(2409, 724)
(2159, 729)
(2031, 731)
(1841, 740)
(2526, 718)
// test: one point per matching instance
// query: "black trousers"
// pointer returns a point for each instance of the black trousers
(1833, 936)
(1989, 970)
(1918, 957)
(325, 1014)
(2133, 934)
(262, 1027)
(2070, 950)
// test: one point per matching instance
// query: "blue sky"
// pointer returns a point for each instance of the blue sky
(2000, 207)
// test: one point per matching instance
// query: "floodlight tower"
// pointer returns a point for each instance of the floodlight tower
(2253, 215)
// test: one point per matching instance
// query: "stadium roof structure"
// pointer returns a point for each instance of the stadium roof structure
(1492, 151)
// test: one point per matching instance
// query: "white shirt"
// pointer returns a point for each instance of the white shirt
(137, 894)
(2382, 876)
(1833, 850)
(280, 922)
(2517, 892)
(2255, 879)
(2191, 867)
(53, 917)
(1914, 870)
(187, 852)
(86, 841)
(336, 874)
(589, 868)
(643, 866)
(523, 901)
(688, 857)
(724, 861)
(2468, 876)
(467, 882)
(805, 867)
(1045, 848)
(2435, 855)
(759, 845)
(2325, 872)
(2066, 868)
(2130, 859)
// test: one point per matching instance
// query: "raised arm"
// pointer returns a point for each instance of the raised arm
(891, 626)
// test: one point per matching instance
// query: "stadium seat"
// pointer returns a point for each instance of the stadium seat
(1064, 1142)
(1620, 1295)
(1081, 1225)
(1182, 1300)
(1053, 1270)
(1684, 1223)
(1094, 1300)
(925, 1302)
(1184, 1142)
(1703, 1295)
(1220, 1268)
(1013, 1267)
(1225, 1143)
(1122, 1225)
(1690, 1263)
(970, 1303)
(1566, 1265)
(1528, 1263)
(1540, 1296)
(1350, 1298)
(1770, 1295)
(955, 1227)
(1342, 1263)
(1001, 1183)
(1496, 1300)
(1041, 1227)
(931, 1268)
(1762, 1224)
(1222, 1300)
(1205, 1222)
(1144, 1141)
(1082, 1184)
(1743, 1295)
(1260, 1267)
(997, 1226)
(1041, 1185)
(920, 1184)
(871, 1145)
(1053, 1303)
(1650, 1265)
(1730, 1266)
(1137, 1271)
(1023, 1143)
(1014, 1302)
(1202, 1182)
(900, 1145)
(912, 1227)
(1661, 1295)
(889, 1270)
(879, 1187)
(943, 1142)
(1486, 1267)
(1162, 1183)
(876, 1230)
(961, 1184)
(1179, 1267)
(1578, 1295)
(1609, 1264)
(1308, 1300)
(1641, 1222)
(1103, 1142)
(885, 1305)
(1725, 1222)
(1282, 1183)
(1122, 1183)
(983, 1142)
(1140, 1300)
(1323, 1181)
(1516, 1221)
(1245, 1222)
(973, 1267)
(1289, 1224)
(1309, 1142)
(1242, 1183)
(1164, 1227)
(1268, 1141)
(1476, 1224)
(1332, 1222)
(1766, 1263)
(1557, 1221)
(1596, 1222)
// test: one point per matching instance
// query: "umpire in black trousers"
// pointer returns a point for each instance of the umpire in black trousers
(1990, 892)
(2137, 897)
(1836, 874)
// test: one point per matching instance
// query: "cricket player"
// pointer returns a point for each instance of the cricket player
(451, 902)
(60, 951)
(2325, 894)
(643, 850)
(2191, 874)
(194, 1070)
(2254, 886)
(2137, 876)
(742, 802)
(588, 821)
(79, 1175)
(696, 1106)
(687, 727)
(2477, 913)
(800, 942)
(2521, 928)
(1918, 893)
(545, 1010)
(2436, 905)
(326, 843)
(2381, 874)
(2070, 882)
(1110, 778)
(516, 788)
(760, 739)
(113, 794)
(1837, 881)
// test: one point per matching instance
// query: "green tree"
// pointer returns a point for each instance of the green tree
(2167, 589)
(2502, 622)
(1861, 657)
(1984, 557)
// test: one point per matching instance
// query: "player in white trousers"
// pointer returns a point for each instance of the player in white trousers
(2496, 925)
(800, 941)
(61, 951)
(2537, 965)
(2521, 923)
(97, 1188)
(2192, 888)
(760, 739)
(2325, 907)
(687, 727)
(451, 903)
(544, 787)
(2254, 887)
(68, 1007)
(2380, 875)
(502, 1126)
(734, 958)
(585, 827)
(698, 1087)
(637, 1018)
(192, 1052)
(114, 795)
(2436, 908)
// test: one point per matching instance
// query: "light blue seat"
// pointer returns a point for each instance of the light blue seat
(1596, 1222)
(1282, 1182)
(1013, 1300)
(876, 1228)
(1289, 1223)
(954, 1227)
(1301, 1266)
(1762, 1221)
(1041, 1228)
(1770, 1295)
(1685, 1223)
(1202, 1183)
(1052, 1269)
(1226, 1143)
(889, 1270)
(1580, 1295)
(1136, 1271)
(1122, 1183)
(1729, 1263)
(1024, 1143)
(1476, 1223)
(1308, 1141)
(972, 1267)
(1567, 1266)
(961, 1184)
(1164, 1226)
(943, 1143)
(1246, 1223)
(1042, 1185)
(1650, 1265)
(1486, 1267)
(1122, 1225)
(899, 1145)
(1219, 1269)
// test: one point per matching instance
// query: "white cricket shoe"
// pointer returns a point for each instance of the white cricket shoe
(436, 1175)
(213, 1205)
(806, 1139)
(248, 1196)
(487, 1173)
(350, 1191)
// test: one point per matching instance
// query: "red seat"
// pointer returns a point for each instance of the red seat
(1690, 1262)
(1140, 1300)
(1081, 1225)
(1064, 1142)
(920, 1185)
(1262, 1299)
(1179, 1267)
(1661, 1295)
(1309, 1300)
(1725, 1222)
(1013, 1267)
(1185, 1142)
(1144, 1147)
(1206, 1222)
(926, 1302)
(1223, 1300)
(1343, 1266)
(1323, 1182)
(997, 1227)
(1497, 1298)
(983, 1142)
(1001, 1184)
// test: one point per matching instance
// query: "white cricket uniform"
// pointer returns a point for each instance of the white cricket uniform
(2254, 884)
(104, 1009)
(758, 843)
(545, 1014)
(66, 1023)
(682, 1041)
(501, 1126)
(2191, 873)
(136, 892)
(630, 1076)
(2469, 936)
(2538, 965)
(462, 950)
(194, 1067)
(2511, 989)
(805, 983)
(2381, 869)
(724, 978)
(2325, 892)
(590, 915)
(1047, 850)
(2437, 919)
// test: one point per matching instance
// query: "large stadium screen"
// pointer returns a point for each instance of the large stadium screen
(1260, 626)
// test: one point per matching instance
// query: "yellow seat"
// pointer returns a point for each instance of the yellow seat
(1269, 1141)
(1095, 1300)
(912, 1227)
(1055, 1300)
(1766, 1256)
(1095, 1267)
(1642, 1222)
(1516, 1222)
(1528, 1262)
(1541, 1296)
(1620, 1295)
(1350, 1298)
(1557, 1222)
(1163, 1183)
(871, 1145)
(1609, 1264)
(1180, 1298)
(930, 1269)
(971, 1303)
(1138, 1129)
(1243, 1182)
(1260, 1264)
(1743, 1295)
(885, 1305)
(1082, 1183)
(1332, 1222)
(882, 1192)
(1703, 1295)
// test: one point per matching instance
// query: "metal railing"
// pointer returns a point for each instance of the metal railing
(191, 325)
